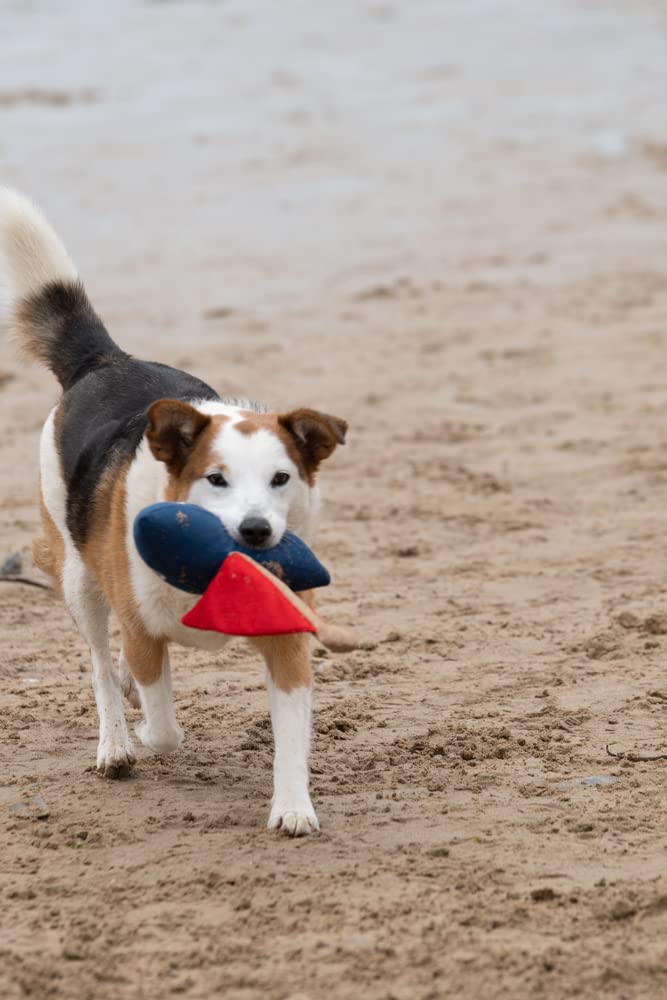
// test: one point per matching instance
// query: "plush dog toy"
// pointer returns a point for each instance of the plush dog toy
(245, 591)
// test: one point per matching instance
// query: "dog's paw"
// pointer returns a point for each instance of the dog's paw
(161, 741)
(115, 760)
(294, 821)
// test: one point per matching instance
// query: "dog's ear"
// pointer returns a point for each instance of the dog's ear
(314, 434)
(173, 428)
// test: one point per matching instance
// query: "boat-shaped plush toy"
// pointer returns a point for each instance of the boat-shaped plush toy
(245, 591)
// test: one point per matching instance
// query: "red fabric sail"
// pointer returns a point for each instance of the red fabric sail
(242, 600)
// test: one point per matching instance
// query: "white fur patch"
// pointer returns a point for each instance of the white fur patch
(31, 253)
(159, 730)
(249, 462)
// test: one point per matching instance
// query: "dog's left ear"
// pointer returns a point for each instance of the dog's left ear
(314, 434)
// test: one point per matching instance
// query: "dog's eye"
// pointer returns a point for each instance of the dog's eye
(280, 479)
(217, 479)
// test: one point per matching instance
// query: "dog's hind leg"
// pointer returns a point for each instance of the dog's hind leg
(90, 611)
(147, 660)
(56, 553)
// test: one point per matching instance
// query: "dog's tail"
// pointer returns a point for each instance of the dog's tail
(47, 305)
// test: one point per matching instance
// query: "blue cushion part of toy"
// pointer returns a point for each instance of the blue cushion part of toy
(186, 546)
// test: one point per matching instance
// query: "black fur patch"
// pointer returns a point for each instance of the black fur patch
(103, 419)
(61, 329)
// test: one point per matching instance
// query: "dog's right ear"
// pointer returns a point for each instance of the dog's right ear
(173, 429)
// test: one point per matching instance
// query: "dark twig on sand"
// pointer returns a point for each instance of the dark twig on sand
(26, 580)
(636, 758)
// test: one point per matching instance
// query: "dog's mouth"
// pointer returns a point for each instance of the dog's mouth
(262, 547)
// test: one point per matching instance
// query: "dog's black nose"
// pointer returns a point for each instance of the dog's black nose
(255, 530)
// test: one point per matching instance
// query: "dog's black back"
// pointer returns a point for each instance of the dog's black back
(106, 392)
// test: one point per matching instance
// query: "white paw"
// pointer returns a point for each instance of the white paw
(295, 821)
(161, 741)
(115, 758)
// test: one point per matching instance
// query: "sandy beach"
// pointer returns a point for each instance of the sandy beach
(446, 223)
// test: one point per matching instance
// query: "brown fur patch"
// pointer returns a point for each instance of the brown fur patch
(144, 653)
(174, 428)
(315, 435)
(104, 551)
(105, 556)
(287, 657)
(200, 461)
(48, 551)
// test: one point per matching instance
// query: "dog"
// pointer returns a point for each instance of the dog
(127, 433)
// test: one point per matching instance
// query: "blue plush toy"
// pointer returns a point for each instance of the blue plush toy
(187, 545)
(246, 591)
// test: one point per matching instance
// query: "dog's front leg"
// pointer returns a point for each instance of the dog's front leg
(289, 683)
(148, 662)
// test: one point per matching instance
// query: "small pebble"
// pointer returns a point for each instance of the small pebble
(407, 552)
(543, 894)
(12, 565)
(622, 909)
(438, 852)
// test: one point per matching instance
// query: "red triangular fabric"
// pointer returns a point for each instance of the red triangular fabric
(240, 600)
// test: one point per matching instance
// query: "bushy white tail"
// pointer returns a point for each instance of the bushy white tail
(31, 255)
(47, 307)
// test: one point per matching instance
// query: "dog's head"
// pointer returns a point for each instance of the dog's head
(255, 471)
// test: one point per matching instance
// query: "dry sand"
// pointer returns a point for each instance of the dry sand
(446, 222)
